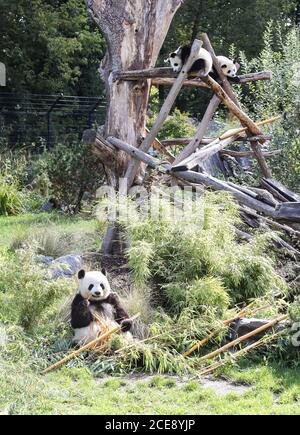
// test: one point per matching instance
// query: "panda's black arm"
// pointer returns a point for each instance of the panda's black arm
(120, 314)
(81, 316)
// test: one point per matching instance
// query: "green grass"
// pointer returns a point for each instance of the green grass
(75, 391)
(27, 226)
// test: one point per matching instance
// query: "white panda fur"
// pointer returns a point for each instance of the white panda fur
(202, 65)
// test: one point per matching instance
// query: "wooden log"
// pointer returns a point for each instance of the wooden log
(203, 154)
(245, 337)
(170, 76)
(196, 141)
(245, 120)
(158, 146)
(241, 154)
(205, 141)
(283, 190)
(273, 191)
(289, 211)
(197, 178)
(195, 83)
(133, 152)
(133, 165)
(224, 81)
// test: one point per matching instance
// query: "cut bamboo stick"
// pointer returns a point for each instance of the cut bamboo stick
(88, 346)
(238, 354)
(213, 333)
(244, 337)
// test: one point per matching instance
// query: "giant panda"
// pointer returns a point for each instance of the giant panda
(204, 64)
(95, 299)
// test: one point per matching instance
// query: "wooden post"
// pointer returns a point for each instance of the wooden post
(165, 110)
(196, 141)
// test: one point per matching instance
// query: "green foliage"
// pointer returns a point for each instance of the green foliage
(70, 171)
(10, 199)
(177, 125)
(281, 96)
(50, 47)
(26, 295)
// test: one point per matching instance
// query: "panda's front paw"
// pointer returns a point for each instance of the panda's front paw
(85, 303)
(126, 325)
(113, 298)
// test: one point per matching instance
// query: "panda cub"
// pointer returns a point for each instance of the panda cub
(96, 298)
(204, 64)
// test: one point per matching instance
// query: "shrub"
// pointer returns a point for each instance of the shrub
(26, 295)
(71, 171)
(10, 199)
(281, 95)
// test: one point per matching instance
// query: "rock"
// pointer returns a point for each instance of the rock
(66, 267)
(244, 326)
(43, 259)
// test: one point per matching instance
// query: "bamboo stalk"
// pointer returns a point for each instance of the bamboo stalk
(244, 337)
(213, 333)
(242, 130)
(238, 354)
(88, 346)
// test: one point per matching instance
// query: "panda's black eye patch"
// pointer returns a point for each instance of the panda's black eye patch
(91, 287)
(175, 64)
(102, 286)
(173, 55)
(224, 66)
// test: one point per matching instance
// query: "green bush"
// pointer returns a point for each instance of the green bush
(196, 260)
(10, 199)
(70, 170)
(25, 295)
(280, 96)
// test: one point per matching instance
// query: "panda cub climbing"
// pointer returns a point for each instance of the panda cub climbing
(96, 300)
(204, 63)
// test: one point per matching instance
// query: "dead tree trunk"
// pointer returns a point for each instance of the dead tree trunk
(134, 31)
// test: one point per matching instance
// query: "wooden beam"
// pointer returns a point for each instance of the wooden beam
(241, 154)
(283, 190)
(203, 154)
(236, 131)
(289, 211)
(205, 141)
(224, 81)
(197, 178)
(196, 83)
(133, 165)
(133, 152)
(203, 126)
(158, 146)
(170, 76)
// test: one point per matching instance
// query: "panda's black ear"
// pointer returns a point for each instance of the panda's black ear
(81, 274)
(104, 271)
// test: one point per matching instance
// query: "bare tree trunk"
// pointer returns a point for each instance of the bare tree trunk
(135, 32)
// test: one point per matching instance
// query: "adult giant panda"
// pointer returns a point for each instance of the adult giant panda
(95, 301)
(204, 64)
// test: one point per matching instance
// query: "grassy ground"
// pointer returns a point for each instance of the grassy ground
(75, 390)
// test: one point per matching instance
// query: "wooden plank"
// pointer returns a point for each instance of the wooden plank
(273, 191)
(133, 152)
(203, 154)
(197, 178)
(207, 140)
(289, 211)
(196, 141)
(133, 165)
(158, 146)
(283, 190)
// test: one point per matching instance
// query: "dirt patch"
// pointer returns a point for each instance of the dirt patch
(220, 386)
